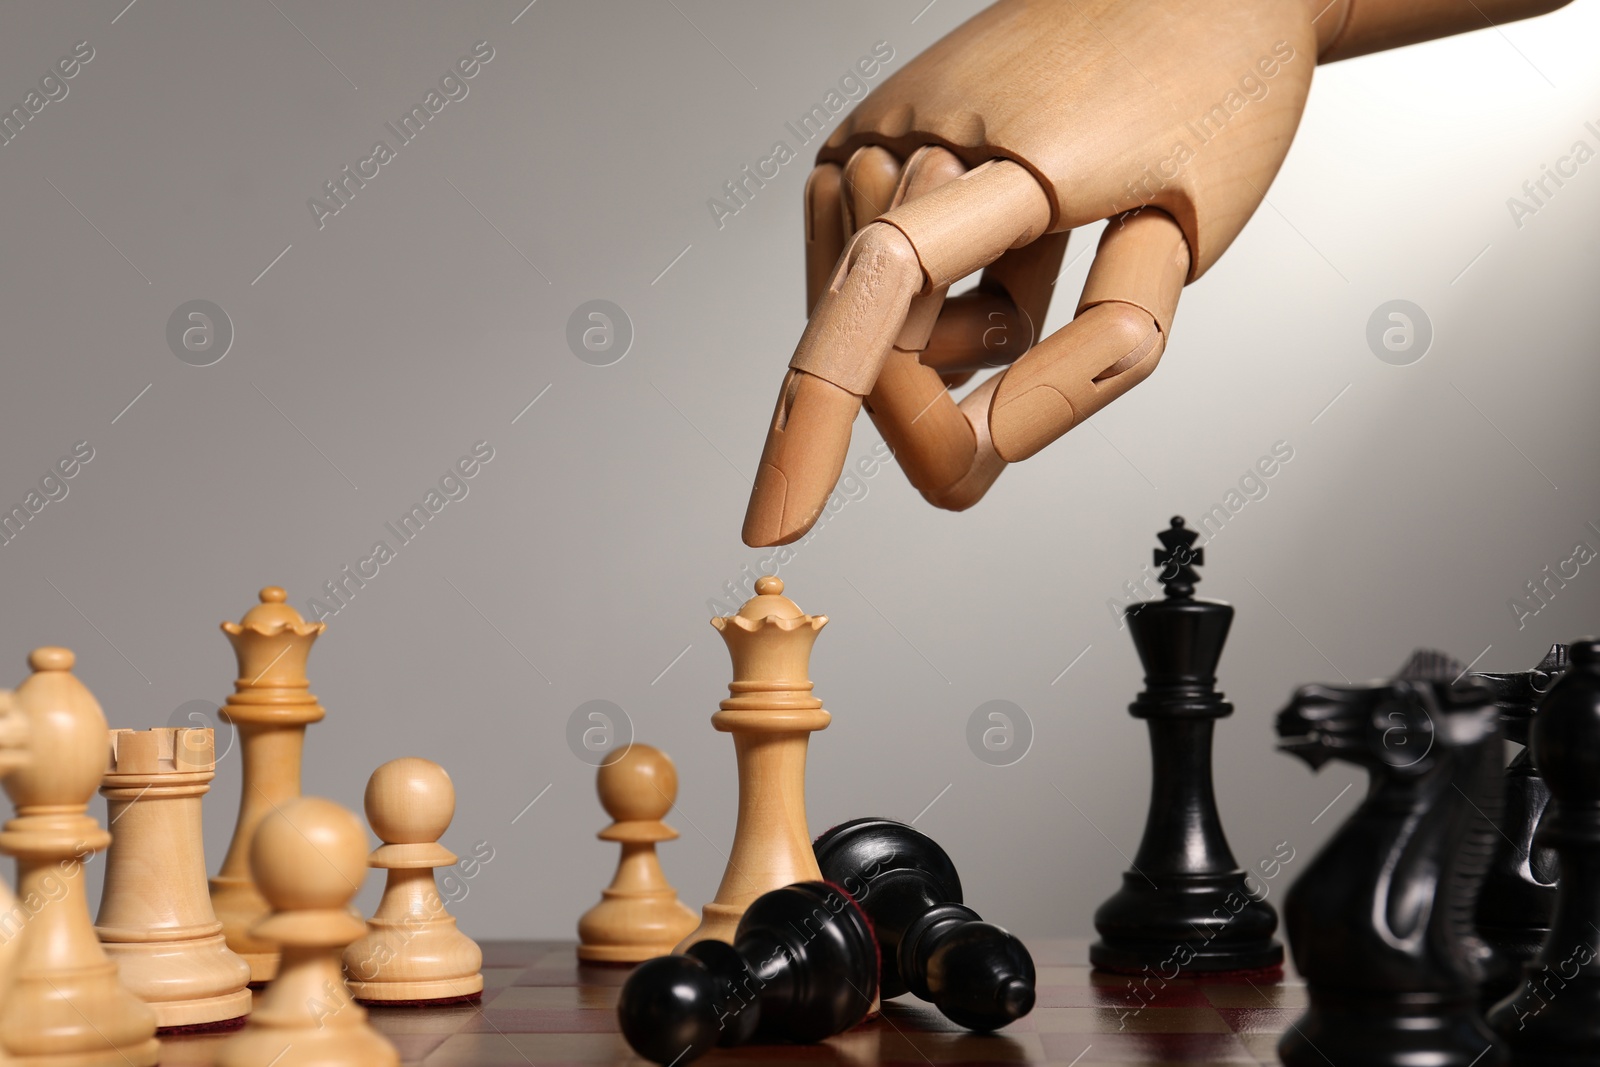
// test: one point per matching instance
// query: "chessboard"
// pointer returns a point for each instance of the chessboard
(541, 1006)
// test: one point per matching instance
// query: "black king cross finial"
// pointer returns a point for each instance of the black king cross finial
(1180, 559)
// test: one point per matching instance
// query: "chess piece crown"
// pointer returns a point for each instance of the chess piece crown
(770, 641)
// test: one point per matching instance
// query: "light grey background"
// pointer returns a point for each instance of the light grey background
(428, 313)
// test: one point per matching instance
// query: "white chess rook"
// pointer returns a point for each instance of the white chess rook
(156, 919)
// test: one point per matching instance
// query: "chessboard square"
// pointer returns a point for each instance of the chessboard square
(759, 1055)
(905, 1046)
(612, 977)
(1264, 1045)
(1133, 995)
(1148, 1021)
(1146, 1049)
(1062, 974)
(413, 1048)
(1119, 1000)
(542, 1021)
(498, 978)
(570, 997)
(906, 1013)
(519, 1050)
(1261, 1020)
(1061, 952)
(514, 953)
(1272, 995)
(444, 1019)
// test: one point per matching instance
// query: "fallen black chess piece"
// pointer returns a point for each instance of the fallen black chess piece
(803, 966)
(932, 945)
(1381, 922)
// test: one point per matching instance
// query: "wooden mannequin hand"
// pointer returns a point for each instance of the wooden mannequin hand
(1031, 119)
(1168, 118)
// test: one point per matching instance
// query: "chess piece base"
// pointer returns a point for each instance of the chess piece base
(263, 966)
(1199, 924)
(454, 989)
(650, 926)
(143, 1055)
(717, 923)
(162, 973)
(1388, 1032)
(266, 1046)
(1551, 1037)
(405, 956)
(59, 1034)
(204, 1013)
(1511, 951)
(239, 906)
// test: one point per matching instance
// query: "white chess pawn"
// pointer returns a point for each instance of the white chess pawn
(412, 951)
(639, 916)
(65, 1004)
(308, 858)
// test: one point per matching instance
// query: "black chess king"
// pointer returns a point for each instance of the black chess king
(1185, 907)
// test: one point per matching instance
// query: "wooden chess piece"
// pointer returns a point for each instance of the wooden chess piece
(639, 916)
(1381, 921)
(1025, 122)
(976, 973)
(412, 952)
(1553, 1020)
(309, 858)
(1185, 904)
(771, 713)
(1518, 898)
(270, 708)
(13, 754)
(155, 917)
(802, 966)
(65, 1005)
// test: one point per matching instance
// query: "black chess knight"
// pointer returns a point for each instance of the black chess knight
(1519, 895)
(1185, 904)
(1380, 922)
